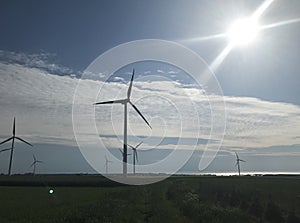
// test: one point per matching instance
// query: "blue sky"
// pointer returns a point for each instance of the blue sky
(77, 32)
(50, 40)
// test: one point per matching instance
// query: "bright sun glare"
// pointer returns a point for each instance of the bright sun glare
(243, 32)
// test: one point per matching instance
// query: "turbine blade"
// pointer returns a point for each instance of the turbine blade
(243, 160)
(137, 146)
(32, 164)
(130, 85)
(237, 157)
(136, 156)
(6, 140)
(111, 102)
(14, 126)
(23, 141)
(121, 151)
(236, 164)
(3, 150)
(34, 158)
(131, 146)
(140, 114)
(39, 161)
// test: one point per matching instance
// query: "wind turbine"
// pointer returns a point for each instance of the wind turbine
(238, 160)
(107, 161)
(35, 161)
(128, 154)
(125, 102)
(12, 145)
(135, 155)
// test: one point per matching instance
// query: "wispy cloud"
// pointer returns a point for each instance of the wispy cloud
(119, 79)
(42, 60)
(172, 72)
(42, 103)
(93, 76)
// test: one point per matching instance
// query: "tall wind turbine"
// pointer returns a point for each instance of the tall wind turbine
(107, 161)
(35, 161)
(238, 160)
(135, 155)
(13, 145)
(125, 102)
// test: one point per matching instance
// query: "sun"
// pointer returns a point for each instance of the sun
(243, 32)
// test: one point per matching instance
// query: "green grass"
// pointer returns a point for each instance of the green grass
(177, 199)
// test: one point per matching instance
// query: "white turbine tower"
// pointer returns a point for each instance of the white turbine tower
(12, 145)
(125, 102)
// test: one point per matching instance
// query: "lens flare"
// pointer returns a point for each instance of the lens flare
(243, 32)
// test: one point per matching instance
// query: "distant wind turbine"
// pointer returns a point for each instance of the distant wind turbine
(135, 155)
(125, 102)
(13, 145)
(128, 154)
(238, 160)
(107, 161)
(35, 161)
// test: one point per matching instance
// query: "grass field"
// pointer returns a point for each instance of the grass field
(92, 199)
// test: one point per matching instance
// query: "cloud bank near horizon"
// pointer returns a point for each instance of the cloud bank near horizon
(42, 103)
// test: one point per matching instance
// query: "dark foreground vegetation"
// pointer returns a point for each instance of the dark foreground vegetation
(92, 199)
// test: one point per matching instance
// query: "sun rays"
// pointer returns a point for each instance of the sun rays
(242, 32)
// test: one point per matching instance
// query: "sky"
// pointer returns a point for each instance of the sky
(46, 46)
